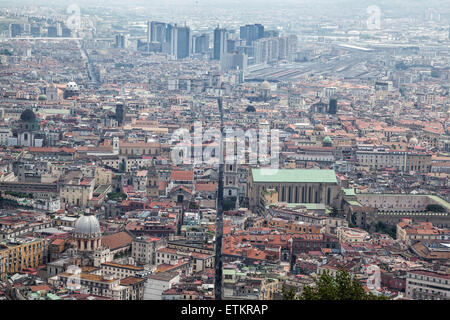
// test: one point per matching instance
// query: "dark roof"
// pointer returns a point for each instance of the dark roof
(28, 116)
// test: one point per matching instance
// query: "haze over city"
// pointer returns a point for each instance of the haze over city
(225, 150)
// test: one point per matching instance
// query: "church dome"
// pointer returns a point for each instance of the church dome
(87, 225)
(72, 86)
(250, 108)
(265, 85)
(28, 116)
(413, 141)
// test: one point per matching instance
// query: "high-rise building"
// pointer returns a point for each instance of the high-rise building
(121, 41)
(59, 28)
(251, 32)
(158, 31)
(15, 30)
(220, 43)
(35, 31)
(200, 44)
(231, 45)
(283, 48)
(170, 45)
(66, 33)
(52, 31)
(266, 50)
(149, 30)
(234, 61)
(271, 34)
(183, 42)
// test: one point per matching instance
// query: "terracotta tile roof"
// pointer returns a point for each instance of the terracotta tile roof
(58, 242)
(182, 175)
(42, 287)
(131, 281)
(117, 240)
(212, 187)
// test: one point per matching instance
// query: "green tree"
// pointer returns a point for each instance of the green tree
(288, 292)
(341, 287)
(116, 196)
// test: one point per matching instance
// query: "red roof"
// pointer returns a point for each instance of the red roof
(212, 187)
(182, 175)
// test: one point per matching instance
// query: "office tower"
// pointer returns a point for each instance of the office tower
(15, 30)
(234, 61)
(283, 43)
(52, 32)
(266, 50)
(121, 41)
(35, 31)
(251, 32)
(66, 33)
(59, 29)
(332, 109)
(169, 46)
(158, 31)
(292, 39)
(26, 28)
(200, 44)
(183, 42)
(220, 43)
(231, 45)
(271, 34)
(148, 35)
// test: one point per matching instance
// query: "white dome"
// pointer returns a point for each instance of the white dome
(87, 225)
(72, 86)
(413, 141)
(265, 85)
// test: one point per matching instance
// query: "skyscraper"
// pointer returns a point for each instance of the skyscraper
(251, 32)
(200, 44)
(220, 43)
(183, 42)
(121, 41)
(148, 36)
(52, 31)
(15, 30)
(158, 31)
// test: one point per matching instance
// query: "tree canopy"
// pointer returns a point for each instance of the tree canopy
(341, 287)
(116, 196)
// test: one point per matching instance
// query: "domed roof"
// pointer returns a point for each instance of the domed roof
(413, 141)
(327, 139)
(72, 86)
(265, 85)
(28, 116)
(87, 225)
(250, 108)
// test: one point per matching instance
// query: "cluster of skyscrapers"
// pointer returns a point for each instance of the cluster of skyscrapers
(253, 44)
(36, 30)
(171, 39)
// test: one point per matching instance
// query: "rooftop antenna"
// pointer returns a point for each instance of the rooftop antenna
(219, 215)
